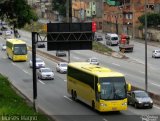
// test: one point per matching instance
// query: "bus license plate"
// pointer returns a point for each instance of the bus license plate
(114, 109)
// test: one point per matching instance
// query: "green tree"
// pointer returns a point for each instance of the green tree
(60, 6)
(17, 13)
(153, 19)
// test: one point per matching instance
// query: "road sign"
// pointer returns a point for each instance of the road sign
(69, 36)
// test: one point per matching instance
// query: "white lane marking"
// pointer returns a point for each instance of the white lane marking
(75, 57)
(26, 72)
(156, 84)
(115, 64)
(65, 80)
(29, 52)
(156, 107)
(67, 98)
(137, 60)
(13, 63)
(142, 72)
(41, 81)
(105, 119)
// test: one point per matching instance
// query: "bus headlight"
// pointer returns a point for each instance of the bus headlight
(124, 104)
(102, 104)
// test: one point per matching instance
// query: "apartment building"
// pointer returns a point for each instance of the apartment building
(126, 14)
(79, 10)
(43, 8)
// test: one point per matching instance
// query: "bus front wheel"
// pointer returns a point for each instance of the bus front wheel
(93, 105)
(73, 95)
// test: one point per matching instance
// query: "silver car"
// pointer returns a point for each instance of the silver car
(45, 73)
(62, 67)
(3, 47)
(156, 54)
(93, 61)
(60, 53)
(98, 37)
(39, 63)
(139, 99)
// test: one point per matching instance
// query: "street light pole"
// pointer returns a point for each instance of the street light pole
(102, 16)
(116, 24)
(69, 18)
(146, 69)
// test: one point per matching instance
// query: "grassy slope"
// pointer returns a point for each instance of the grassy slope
(13, 104)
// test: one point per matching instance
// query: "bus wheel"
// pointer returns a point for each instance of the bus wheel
(72, 94)
(75, 95)
(93, 105)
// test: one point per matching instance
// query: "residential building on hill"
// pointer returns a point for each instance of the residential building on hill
(126, 14)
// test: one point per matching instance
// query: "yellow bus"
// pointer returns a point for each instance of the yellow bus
(16, 50)
(99, 87)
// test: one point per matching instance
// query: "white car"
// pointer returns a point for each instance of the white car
(98, 37)
(93, 61)
(156, 54)
(60, 53)
(45, 73)
(111, 39)
(39, 63)
(62, 67)
(8, 33)
(3, 47)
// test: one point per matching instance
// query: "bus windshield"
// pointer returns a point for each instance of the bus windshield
(20, 49)
(112, 88)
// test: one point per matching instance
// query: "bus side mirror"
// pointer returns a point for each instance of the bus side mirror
(99, 87)
(128, 87)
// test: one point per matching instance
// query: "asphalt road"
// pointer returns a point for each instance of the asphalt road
(138, 53)
(133, 69)
(52, 95)
(53, 98)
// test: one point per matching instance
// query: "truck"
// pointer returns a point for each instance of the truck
(124, 44)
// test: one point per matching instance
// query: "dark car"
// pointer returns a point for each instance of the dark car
(40, 45)
(139, 99)
(4, 28)
(98, 38)
(61, 53)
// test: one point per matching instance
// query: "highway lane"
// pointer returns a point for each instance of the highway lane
(132, 68)
(138, 53)
(52, 95)
(133, 71)
(76, 56)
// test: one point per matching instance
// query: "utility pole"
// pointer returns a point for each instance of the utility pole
(70, 11)
(116, 17)
(67, 11)
(34, 37)
(133, 20)
(69, 18)
(80, 12)
(102, 15)
(146, 69)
